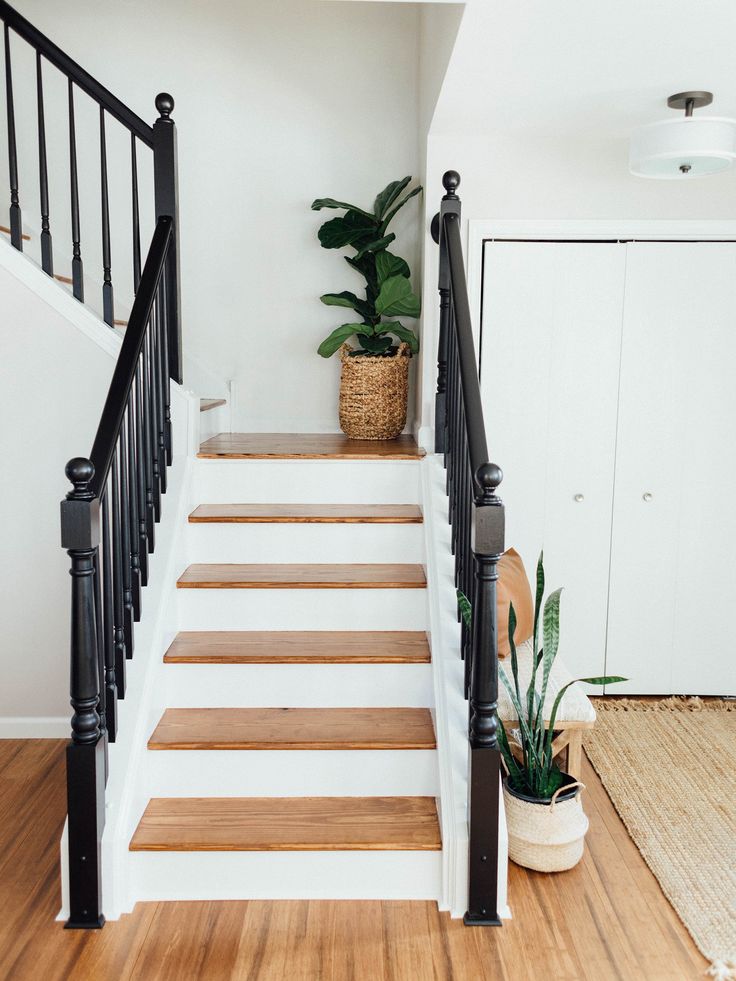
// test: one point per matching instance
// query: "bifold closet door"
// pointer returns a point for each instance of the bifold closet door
(550, 346)
(673, 572)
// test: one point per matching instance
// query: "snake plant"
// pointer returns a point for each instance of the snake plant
(388, 292)
(536, 774)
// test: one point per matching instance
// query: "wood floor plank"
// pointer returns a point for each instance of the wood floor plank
(288, 824)
(299, 647)
(294, 728)
(303, 576)
(307, 446)
(395, 514)
(206, 404)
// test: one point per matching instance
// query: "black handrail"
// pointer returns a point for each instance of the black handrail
(107, 524)
(477, 518)
(23, 28)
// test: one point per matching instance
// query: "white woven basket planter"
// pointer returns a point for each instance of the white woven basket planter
(545, 837)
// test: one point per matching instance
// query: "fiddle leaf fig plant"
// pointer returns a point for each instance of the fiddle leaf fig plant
(536, 774)
(388, 291)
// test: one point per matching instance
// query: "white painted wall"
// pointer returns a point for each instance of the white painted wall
(276, 104)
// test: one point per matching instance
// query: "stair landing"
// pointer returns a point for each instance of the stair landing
(307, 446)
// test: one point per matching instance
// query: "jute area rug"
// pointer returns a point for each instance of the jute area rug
(669, 767)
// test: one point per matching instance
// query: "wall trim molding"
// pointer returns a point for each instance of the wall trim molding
(34, 727)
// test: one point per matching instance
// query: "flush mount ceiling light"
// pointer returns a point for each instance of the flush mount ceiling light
(686, 147)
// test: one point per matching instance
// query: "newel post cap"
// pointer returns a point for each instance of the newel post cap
(164, 105)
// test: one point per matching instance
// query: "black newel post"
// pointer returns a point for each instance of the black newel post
(85, 758)
(167, 204)
(450, 205)
(485, 763)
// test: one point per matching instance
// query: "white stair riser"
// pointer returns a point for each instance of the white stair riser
(292, 773)
(302, 609)
(306, 482)
(298, 685)
(159, 876)
(209, 542)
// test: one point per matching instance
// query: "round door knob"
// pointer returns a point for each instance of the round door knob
(647, 497)
(579, 498)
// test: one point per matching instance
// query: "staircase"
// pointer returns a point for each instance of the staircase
(295, 754)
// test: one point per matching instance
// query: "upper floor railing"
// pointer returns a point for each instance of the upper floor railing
(160, 138)
(477, 519)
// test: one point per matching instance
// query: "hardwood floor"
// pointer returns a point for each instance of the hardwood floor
(605, 919)
(365, 575)
(307, 446)
(376, 514)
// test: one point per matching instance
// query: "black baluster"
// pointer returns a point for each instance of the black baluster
(488, 545)
(160, 372)
(136, 215)
(141, 479)
(135, 559)
(152, 417)
(118, 588)
(85, 756)
(165, 177)
(166, 378)
(147, 445)
(114, 683)
(16, 229)
(47, 261)
(108, 314)
(77, 270)
(128, 612)
(102, 706)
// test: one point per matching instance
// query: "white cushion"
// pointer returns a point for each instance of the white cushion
(575, 705)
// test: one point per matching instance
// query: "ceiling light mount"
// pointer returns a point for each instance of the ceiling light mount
(689, 101)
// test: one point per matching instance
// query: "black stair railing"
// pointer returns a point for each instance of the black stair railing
(160, 138)
(477, 519)
(107, 522)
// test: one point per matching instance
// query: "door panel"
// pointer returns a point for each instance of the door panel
(551, 336)
(672, 571)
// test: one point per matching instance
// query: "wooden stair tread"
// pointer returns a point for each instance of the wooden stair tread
(303, 576)
(299, 647)
(307, 446)
(288, 824)
(307, 513)
(294, 728)
(206, 404)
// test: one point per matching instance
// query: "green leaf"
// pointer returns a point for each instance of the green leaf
(332, 203)
(509, 759)
(538, 599)
(347, 299)
(512, 645)
(396, 299)
(352, 229)
(597, 680)
(403, 333)
(388, 265)
(528, 742)
(373, 344)
(466, 610)
(391, 215)
(375, 246)
(338, 336)
(366, 266)
(551, 640)
(388, 195)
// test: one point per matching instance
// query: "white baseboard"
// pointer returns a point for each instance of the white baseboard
(34, 727)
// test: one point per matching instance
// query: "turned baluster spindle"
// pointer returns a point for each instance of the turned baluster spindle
(47, 261)
(77, 268)
(108, 314)
(16, 226)
(136, 215)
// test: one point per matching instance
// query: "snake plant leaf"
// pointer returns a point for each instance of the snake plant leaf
(347, 299)
(321, 203)
(403, 333)
(528, 743)
(610, 679)
(392, 214)
(396, 298)
(466, 611)
(388, 195)
(538, 599)
(338, 336)
(374, 344)
(509, 759)
(551, 637)
(388, 265)
(375, 245)
(352, 228)
(514, 656)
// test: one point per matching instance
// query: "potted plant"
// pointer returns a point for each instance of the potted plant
(544, 814)
(374, 376)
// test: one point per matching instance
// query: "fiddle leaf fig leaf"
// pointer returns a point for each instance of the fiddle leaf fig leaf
(403, 333)
(375, 246)
(353, 228)
(347, 299)
(388, 195)
(396, 299)
(321, 203)
(338, 336)
(391, 215)
(373, 344)
(388, 265)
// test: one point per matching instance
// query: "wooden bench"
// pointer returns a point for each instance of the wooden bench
(574, 716)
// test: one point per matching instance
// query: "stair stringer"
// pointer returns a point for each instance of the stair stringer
(126, 793)
(451, 708)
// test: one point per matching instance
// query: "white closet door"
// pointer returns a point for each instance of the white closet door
(549, 379)
(673, 575)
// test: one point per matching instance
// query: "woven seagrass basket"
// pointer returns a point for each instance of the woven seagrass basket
(546, 837)
(373, 394)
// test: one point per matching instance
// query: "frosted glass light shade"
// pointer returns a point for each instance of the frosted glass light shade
(704, 144)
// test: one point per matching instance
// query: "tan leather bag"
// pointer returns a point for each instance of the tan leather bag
(513, 587)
